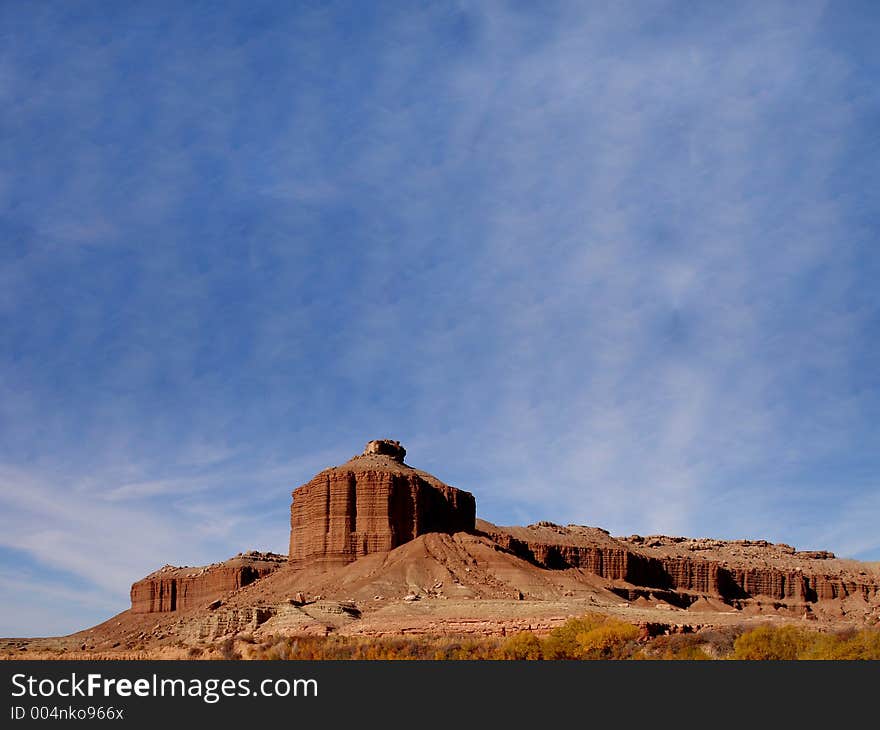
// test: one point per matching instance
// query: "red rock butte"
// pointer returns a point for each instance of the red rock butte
(378, 547)
(372, 503)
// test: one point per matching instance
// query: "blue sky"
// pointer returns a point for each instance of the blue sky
(613, 264)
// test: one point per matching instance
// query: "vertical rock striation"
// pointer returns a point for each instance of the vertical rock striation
(372, 503)
(179, 589)
(686, 566)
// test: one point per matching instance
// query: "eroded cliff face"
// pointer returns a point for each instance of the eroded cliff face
(375, 504)
(372, 503)
(178, 589)
(729, 570)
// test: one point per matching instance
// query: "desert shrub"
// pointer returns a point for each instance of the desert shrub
(274, 650)
(471, 649)
(227, 649)
(688, 647)
(791, 642)
(719, 641)
(612, 640)
(849, 645)
(767, 642)
(562, 642)
(524, 645)
(688, 652)
(373, 648)
(587, 637)
(591, 637)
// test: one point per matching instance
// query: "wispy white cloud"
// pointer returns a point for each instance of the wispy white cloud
(622, 334)
(601, 264)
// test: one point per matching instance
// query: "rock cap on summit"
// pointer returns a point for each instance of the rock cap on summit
(385, 447)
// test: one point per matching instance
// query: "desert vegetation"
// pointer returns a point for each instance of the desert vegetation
(792, 642)
(589, 637)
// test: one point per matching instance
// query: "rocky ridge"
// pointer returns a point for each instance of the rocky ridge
(174, 588)
(378, 547)
(732, 571)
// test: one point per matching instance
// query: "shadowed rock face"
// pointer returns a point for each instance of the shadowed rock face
(729, 570)
(372, 503)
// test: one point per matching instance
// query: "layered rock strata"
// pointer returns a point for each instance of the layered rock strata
(376, 502)
(372, 503)
(761, 569)
(178, 589)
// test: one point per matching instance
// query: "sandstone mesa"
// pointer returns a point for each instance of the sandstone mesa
(378, 547)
